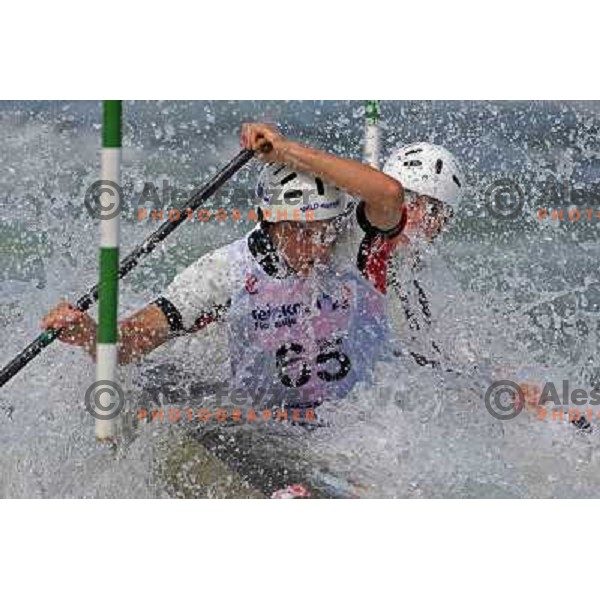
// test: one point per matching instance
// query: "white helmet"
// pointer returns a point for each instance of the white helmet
(427, 170)
(287, 195)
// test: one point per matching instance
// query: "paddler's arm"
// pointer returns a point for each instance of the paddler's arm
(139, 334)
(383, 195)
(198, 296)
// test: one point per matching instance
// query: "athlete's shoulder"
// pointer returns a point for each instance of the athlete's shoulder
(367, 246)
(207, 284)
(220, 263)
(227, 255)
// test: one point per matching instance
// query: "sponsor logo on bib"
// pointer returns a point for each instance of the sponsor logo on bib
(251, 284)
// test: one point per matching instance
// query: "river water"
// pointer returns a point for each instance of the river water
(526, 290)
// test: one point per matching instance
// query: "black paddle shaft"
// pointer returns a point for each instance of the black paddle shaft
(130, 261)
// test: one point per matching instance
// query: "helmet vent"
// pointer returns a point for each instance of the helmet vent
(320, 186)
(278, 170)
(288, 178)
(413, 163)
(415, 151)
(293, 194)
(439, 165)
(456, 180)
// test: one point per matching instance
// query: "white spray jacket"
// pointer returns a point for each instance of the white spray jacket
(436, 322)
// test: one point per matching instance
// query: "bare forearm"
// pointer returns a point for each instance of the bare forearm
(138, 335)
(382, 194)
(142, 333)
(350, 175)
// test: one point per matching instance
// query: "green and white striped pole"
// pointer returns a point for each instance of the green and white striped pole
(372, 134)
(108, 296)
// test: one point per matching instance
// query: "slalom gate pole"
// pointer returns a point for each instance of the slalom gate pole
(372, 134)
(108, 287)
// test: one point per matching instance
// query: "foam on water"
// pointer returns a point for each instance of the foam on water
(420, 432)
